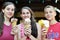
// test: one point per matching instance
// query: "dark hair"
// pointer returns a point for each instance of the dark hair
(33, 22)
(2, 14)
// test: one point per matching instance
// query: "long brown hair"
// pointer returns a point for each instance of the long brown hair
(2, 15)
(33, 22)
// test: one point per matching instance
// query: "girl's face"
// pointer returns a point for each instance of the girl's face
(9, 11)
(25, 14)
(50, 13)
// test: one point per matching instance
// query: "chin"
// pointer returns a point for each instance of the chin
(49, 19)
(9, 16)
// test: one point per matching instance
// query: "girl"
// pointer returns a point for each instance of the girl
(33, 32)
(7, 12)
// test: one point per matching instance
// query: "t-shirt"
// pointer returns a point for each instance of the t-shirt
(54, 31)
(6, 34)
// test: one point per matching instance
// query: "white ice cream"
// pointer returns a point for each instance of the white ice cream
(27, 20)
(46, 23)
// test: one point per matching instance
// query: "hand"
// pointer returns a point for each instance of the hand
(14, 21)
(28, 31)
(14, 30)
(44, 31)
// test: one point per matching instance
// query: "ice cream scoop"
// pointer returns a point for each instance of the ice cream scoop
(27, 22)
(14, 22)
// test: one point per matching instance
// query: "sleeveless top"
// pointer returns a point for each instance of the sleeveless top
(6, 34)
(21, 27)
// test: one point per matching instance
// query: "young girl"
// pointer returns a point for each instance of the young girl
(30, 32)
(7, 12)
(54, 28)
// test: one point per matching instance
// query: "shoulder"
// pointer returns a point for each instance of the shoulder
(58, 23)
(18, 24)
(39, 31)
(38, 25)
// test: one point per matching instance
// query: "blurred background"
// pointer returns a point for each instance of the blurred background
(36, 5)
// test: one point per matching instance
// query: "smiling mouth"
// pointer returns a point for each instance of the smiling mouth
(26, 17)
(10, 14)
(48, 17)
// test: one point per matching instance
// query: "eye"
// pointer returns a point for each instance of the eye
(27, 12)
(8, 9)
(50, 11)
(23, 13)
(12, 9)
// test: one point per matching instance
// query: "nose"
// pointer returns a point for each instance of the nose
(48, 13)
(10, 10)
(26, 14)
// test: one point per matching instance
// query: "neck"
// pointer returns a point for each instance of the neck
(6, 21)
(51, 22)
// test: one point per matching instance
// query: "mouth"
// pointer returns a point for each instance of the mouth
(10, 14)
(48, 16)
(26, 17)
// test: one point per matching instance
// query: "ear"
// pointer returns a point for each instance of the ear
(20, 15)
(55, 13)
(3, 10)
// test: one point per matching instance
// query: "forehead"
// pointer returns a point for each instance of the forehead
(10, 6)
(49, 9)
(25, 10)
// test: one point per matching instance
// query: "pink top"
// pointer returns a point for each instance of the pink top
(6, 35)
(54, 31)
(22, 31)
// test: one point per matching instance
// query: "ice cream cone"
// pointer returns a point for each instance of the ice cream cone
(14, 22)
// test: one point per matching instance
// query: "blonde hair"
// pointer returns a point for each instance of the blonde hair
(49, 6)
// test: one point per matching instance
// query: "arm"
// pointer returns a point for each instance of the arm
(39, 31)
(15, 35)
(14, 32)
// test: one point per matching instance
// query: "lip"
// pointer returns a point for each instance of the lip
(10, 14)
(26, 17)
(48, 16)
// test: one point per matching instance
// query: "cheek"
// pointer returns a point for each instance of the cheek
(5, 12)
(22, 16)
(13, 12)
(29, 16)
(45, 15)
